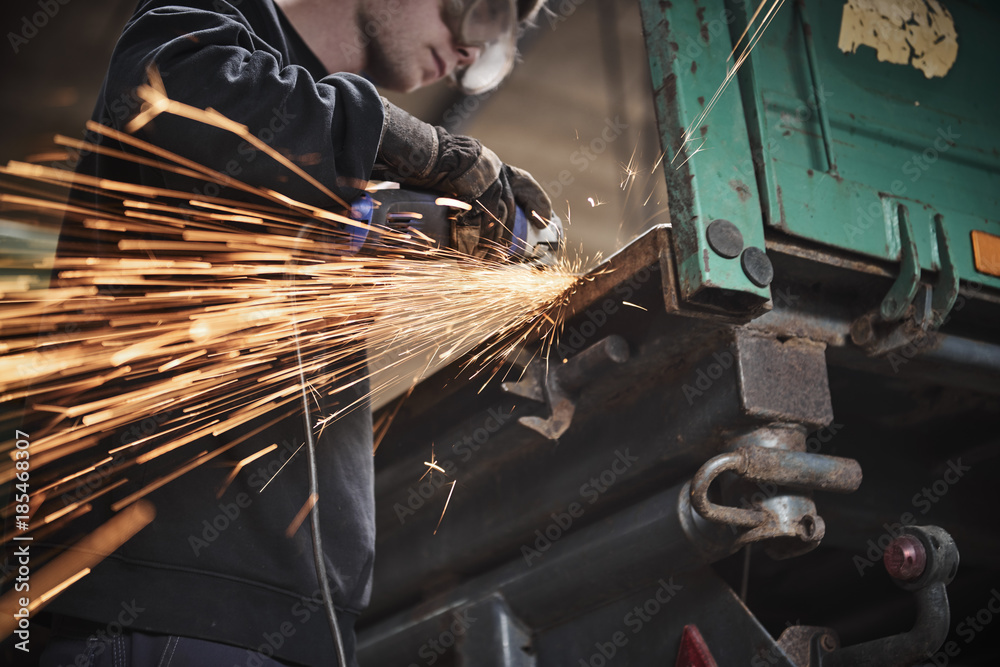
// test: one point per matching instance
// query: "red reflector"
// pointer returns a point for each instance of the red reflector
(694, 652)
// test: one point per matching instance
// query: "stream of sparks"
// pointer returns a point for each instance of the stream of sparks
(197, 309)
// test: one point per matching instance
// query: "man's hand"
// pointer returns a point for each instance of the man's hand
(415, 153)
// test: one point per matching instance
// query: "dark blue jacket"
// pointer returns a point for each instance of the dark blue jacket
(222, 569)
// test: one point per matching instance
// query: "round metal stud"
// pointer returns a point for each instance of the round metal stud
(724, 238)
(905, 558)
(757, 267)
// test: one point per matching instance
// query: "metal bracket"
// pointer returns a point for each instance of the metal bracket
(791, 515)
(945, 290)
(558, 385)
(899, 321)
(900, 296)
(704, 185)
(805, 644)
(940, 556)
(926, 561)
(495, 637)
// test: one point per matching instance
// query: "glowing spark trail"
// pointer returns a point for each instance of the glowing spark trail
(75, 563)
(196, 309)
(447, 500)
(755, 29)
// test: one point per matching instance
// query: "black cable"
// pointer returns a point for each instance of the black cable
(324, 581)
(317, 542)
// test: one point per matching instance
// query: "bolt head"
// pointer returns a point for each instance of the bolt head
(757, 266)
(724, 238)
(862, 331)
(905, 558)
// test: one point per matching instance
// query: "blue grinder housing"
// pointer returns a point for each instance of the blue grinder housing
(409, 209)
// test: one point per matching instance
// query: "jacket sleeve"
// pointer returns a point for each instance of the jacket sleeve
(330, 127)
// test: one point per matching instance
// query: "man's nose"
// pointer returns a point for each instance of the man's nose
(467, 55)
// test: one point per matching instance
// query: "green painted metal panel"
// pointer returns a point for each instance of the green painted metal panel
(842, 139)
(688, 44)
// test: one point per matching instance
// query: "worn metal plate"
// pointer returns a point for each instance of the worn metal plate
(784, 381)
(844, 136)
(688, 46)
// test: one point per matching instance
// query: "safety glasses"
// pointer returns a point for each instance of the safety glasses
(490, 26)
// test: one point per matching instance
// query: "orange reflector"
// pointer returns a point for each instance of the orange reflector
(986, 251)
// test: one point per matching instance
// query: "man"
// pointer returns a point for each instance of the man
(214, 581)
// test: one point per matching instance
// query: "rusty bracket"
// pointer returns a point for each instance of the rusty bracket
(939, 564)
(926, 563)
(899, 321)
(558, 386)
(790, 516)
(945, 291)
(805, 645)
(899, 298)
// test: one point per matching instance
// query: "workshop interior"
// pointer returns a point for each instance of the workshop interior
(768, 431)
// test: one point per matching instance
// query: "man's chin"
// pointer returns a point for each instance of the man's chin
(398, 82)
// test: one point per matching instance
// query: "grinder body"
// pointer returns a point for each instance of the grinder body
(430, 214)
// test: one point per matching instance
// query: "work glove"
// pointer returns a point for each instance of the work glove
(424, 156)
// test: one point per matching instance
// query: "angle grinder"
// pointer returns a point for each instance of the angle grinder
(434, 218)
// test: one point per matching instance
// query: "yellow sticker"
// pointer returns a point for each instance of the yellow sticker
(986, 251)
(920, 33)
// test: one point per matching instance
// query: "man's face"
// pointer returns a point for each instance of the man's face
(411, 46)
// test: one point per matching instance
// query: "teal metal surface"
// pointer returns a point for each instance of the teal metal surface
(901, 294)
(946, 288)
(688, 44)
(843, 139)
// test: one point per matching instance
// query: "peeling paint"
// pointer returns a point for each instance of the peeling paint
(920, 33)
